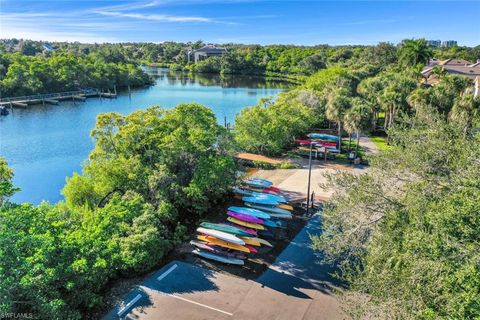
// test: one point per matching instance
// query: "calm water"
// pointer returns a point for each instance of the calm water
(46, 144)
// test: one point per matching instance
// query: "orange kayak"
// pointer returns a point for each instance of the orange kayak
(224, 244)
(285, 206)
(251, 241)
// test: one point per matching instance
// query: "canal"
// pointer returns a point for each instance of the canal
(46, 144)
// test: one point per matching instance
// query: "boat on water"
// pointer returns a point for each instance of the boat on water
(219, 258)
(250, 211)
(221, 235)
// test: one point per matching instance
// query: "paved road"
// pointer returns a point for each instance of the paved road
(294, 287)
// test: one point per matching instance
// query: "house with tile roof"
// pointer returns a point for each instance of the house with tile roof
(205, 52)
(458, 67)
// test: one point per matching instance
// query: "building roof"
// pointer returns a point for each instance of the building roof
(453, 66)
(211, 49)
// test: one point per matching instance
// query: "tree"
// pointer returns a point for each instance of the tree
(413, 52)
(357, 118)
(7, 189)
(466, 112)
(337, 105)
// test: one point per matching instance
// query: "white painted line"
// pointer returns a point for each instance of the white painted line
(163, 275)
(198, 304)
(128, 305)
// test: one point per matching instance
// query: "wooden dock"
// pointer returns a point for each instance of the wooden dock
(53, 98)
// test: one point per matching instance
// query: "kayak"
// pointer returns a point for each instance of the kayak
(252, 241)
(244, 217)
(243, 192)
(282, 216)
(285, 206)
(251, 212)
(217, 250)
(263, 241)
(251, 232)
(269, 209)
(224, 228)
(271, 224)
(246, 224)
(224, 244)
(322, 136)
(221, 235)
(268, 196)
(262, 201)
(252, 249)
(218, 258)
(258, 182)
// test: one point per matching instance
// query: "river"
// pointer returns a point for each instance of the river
(46, 144)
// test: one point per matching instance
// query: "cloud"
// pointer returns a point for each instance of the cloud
(155, 17)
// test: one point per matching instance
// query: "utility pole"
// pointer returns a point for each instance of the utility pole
(309, 176)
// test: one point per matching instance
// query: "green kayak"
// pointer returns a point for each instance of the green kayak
(225, 228)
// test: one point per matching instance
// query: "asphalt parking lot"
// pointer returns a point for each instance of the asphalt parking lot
(296, 286)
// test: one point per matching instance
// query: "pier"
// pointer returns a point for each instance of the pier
(54, 98)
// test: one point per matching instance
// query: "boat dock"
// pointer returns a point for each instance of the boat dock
(54, 98)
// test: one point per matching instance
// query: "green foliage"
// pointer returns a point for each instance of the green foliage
(405, 233)
(152, 173)
(413, 52)
(25, 75)
(7, 189)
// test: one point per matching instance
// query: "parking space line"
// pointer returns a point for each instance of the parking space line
(128, 305)
(198, 304)
(163, 275)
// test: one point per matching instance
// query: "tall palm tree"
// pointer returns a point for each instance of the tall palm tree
(414, 51)
(338, 103)
(357, 118)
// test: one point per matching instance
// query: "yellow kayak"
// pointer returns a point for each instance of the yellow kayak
(285, 206)
(262, 241)
(251, 241)
(221, 243)
(246, 224)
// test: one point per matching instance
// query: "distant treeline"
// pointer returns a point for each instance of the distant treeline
(284, 60)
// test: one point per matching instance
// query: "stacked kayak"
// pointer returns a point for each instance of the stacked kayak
(246, 227)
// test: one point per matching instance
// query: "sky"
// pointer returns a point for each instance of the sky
(241, 21)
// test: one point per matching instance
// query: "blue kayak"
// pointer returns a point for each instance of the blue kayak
(269, 196)
(272, 224)
(322, 136)
(258, 182)
(250, 211)
(261, 200)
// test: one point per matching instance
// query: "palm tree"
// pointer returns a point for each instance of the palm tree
(466, 111)
(418, 99)
(338, 103)
(357, 118)
(414, 51)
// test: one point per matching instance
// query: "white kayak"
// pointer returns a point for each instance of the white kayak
(251, 212)
(216, 257)
(221, 235)
(269, 209)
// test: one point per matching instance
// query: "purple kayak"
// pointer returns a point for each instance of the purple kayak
(244, 217)
(247, 230)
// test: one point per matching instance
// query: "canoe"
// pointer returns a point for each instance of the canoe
(246, 224)
(262, 201)
(285, 206)
(244, 217)
(251, 232)
(218, 258)
(224, 244)
(251, 212)
(263, 241)
(252, 241)
(217, 250)
(221, 235)
(269, 209)
(224, 228)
